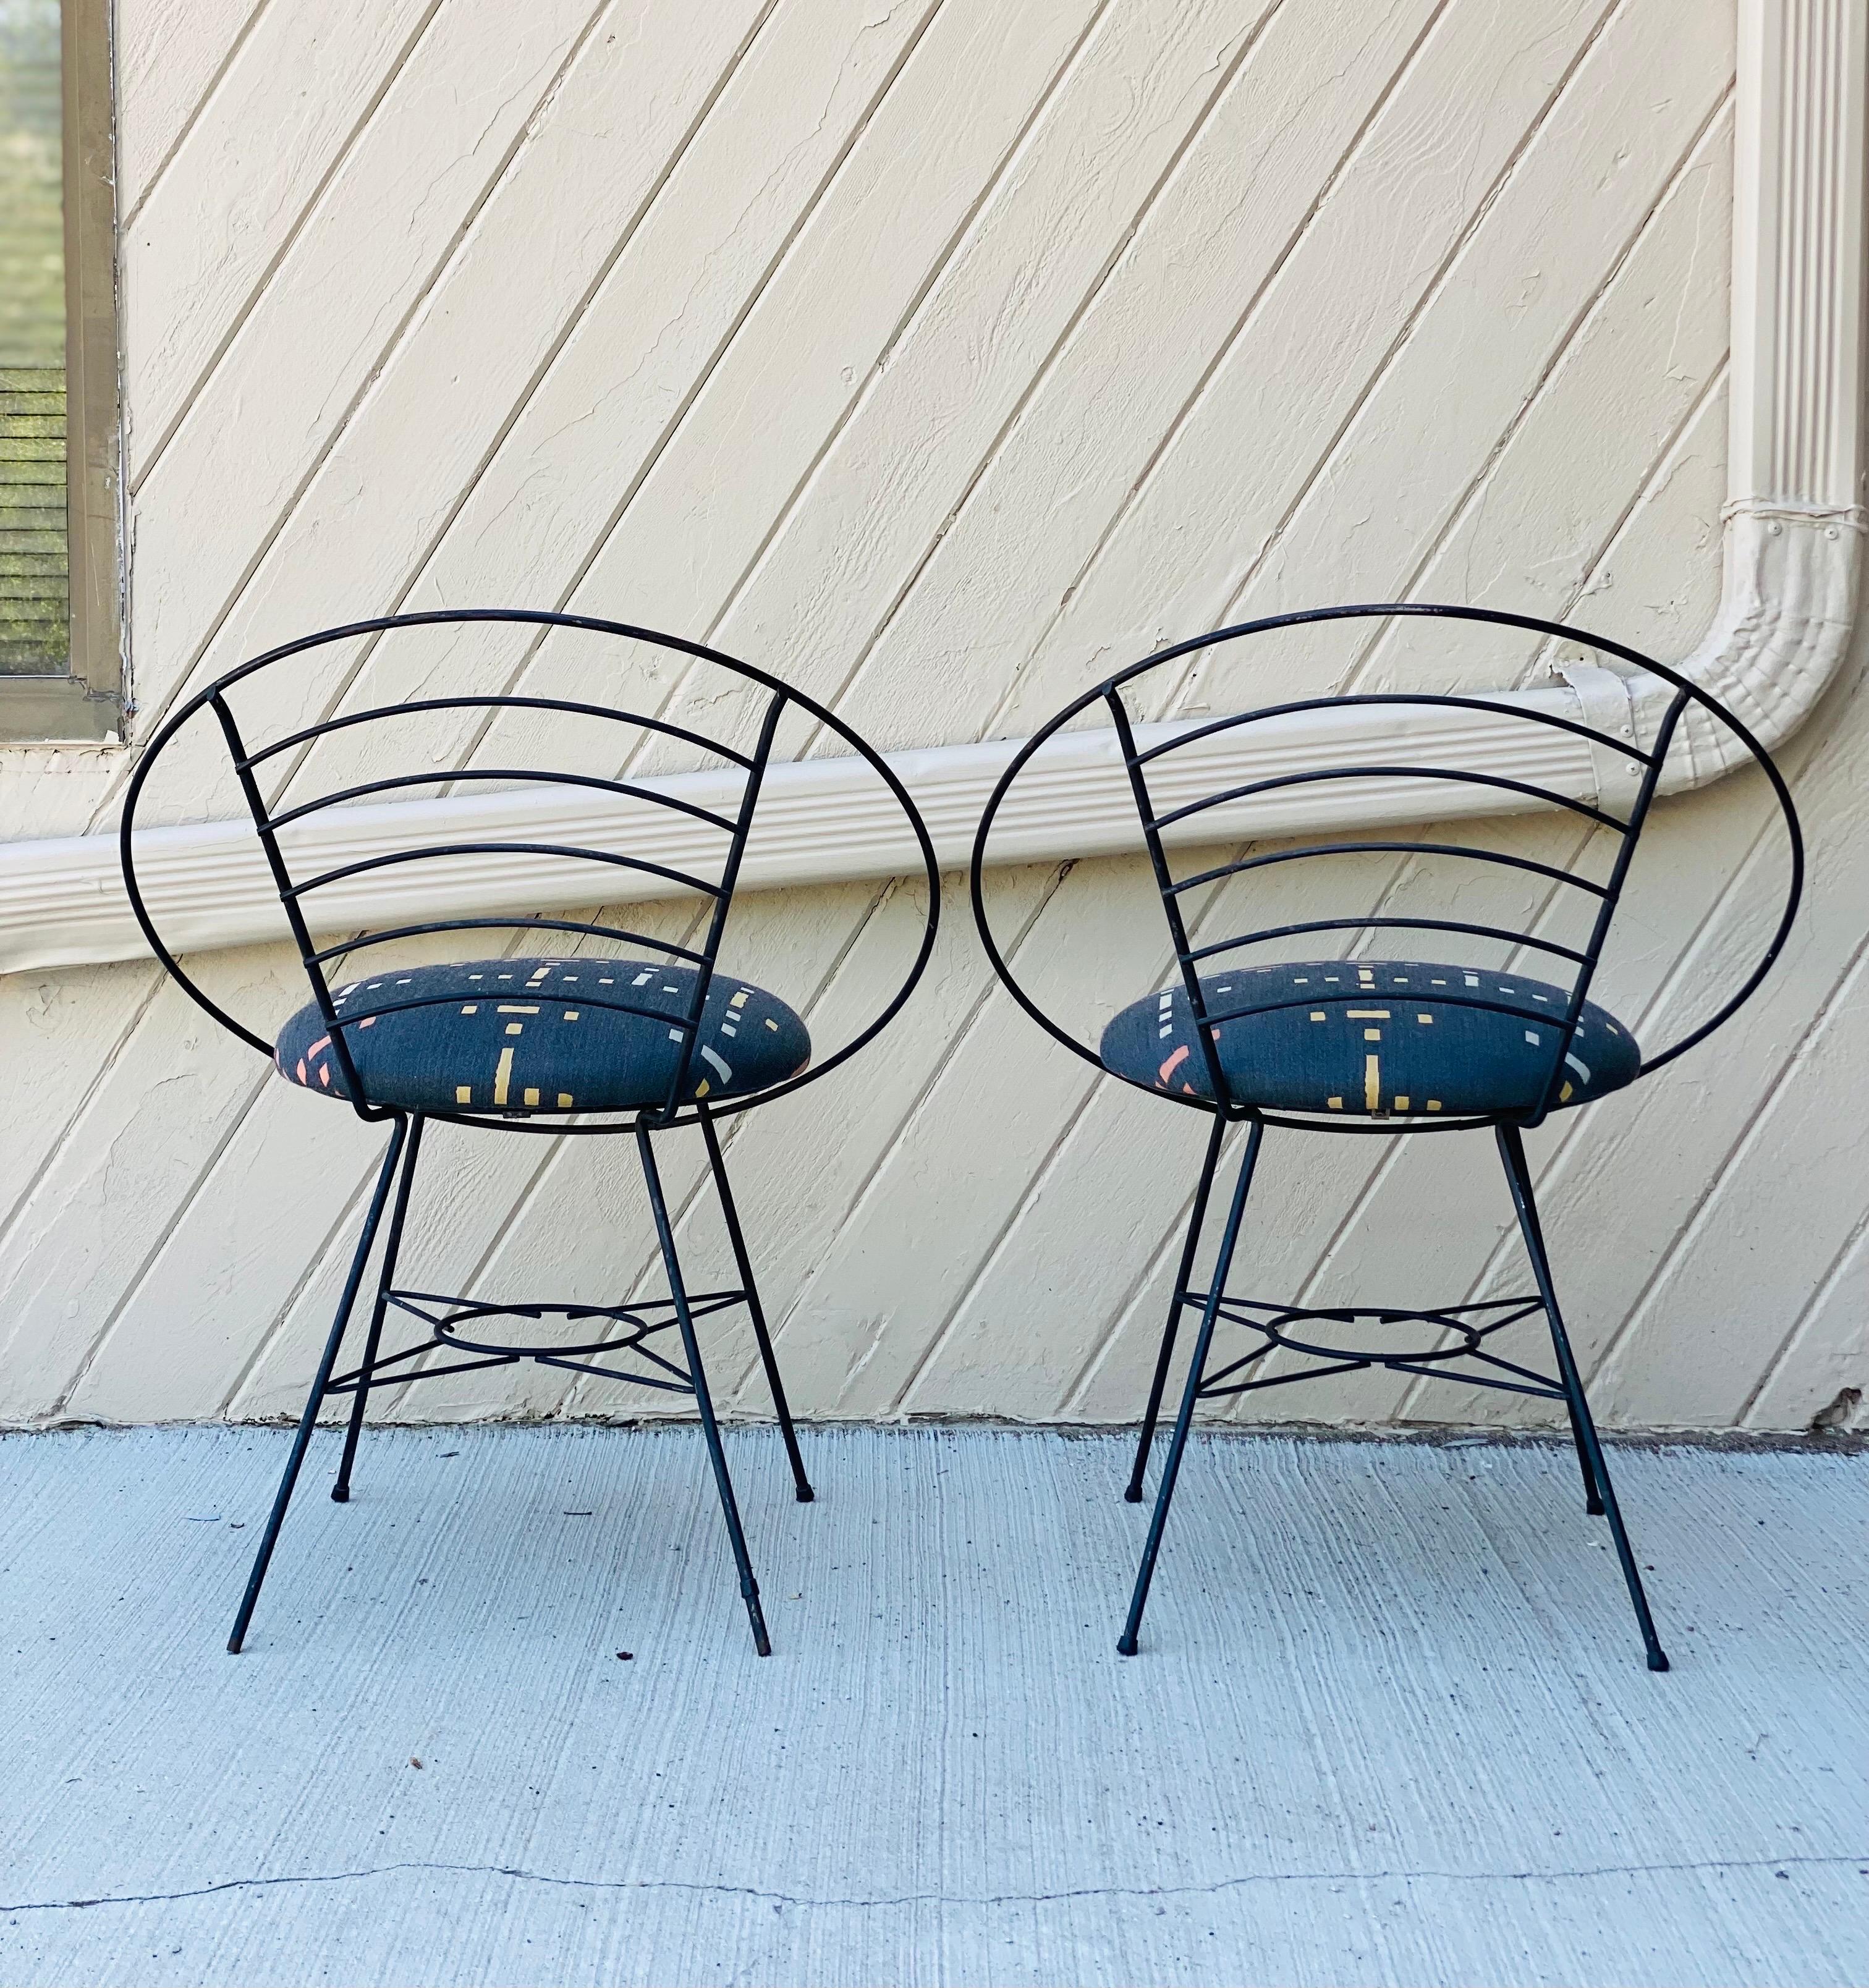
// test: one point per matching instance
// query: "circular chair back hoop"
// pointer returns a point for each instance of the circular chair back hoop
(713, 896)
(1206, 1020)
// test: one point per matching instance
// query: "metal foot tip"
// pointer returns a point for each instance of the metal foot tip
(1656, 1661)
(805, 1495)
(1133, 1494)
(340, 1494)
(1594, 1508)
(756, 1621)
(1125, 1646)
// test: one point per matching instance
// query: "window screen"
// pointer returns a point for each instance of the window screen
(35, 582)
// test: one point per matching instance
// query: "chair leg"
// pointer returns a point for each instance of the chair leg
(1593, 1497)
(1519, 1178)
(309, 1420)
(341, 1490)
(801, 1485)
(678, 1291)
(1133, 1491)
(1190, 1393)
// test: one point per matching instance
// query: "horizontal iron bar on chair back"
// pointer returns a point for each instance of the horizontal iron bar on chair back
(716, 894)
(1627, 829)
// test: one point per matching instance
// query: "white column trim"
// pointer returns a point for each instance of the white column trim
(1794, 528)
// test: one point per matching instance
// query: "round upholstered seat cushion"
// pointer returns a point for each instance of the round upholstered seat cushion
(1372, 1038)
(521, 1036)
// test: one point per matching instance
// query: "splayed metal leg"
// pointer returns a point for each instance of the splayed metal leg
(1596, 1471)
(340, 1489)
(1177, 1298)
(1190, 1393)
(729, 1507)
(801, 1485)
(308, 1421)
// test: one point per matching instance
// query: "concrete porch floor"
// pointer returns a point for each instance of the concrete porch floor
(1391, 1722)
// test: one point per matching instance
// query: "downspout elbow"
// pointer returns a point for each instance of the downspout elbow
(1787, 610)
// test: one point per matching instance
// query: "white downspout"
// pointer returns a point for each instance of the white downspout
(1794, 517)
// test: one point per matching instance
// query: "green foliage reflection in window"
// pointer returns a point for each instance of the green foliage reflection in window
(35, 584)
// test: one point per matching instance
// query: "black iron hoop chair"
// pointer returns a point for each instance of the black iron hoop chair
(592, 1043)
(1356, 1044)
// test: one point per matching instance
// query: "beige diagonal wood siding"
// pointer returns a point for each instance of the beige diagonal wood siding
(940, 355)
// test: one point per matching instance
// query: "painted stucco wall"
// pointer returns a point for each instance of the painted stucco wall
(940, 356)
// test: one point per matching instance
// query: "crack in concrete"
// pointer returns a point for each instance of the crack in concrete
(1778, 1865)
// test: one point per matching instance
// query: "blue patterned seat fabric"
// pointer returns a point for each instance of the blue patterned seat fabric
(520, 1036)
(1375, 1039)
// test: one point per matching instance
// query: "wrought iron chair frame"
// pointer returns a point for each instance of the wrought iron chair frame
(1474, 1323)
(624, 1329)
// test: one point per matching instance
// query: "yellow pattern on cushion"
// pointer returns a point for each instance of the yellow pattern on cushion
(1299, 1037)
(411, 1036)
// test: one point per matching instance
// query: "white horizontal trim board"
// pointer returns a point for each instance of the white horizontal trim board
(208, 885)
(1794, 528)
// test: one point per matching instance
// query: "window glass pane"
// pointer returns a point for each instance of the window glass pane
(34, 577)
